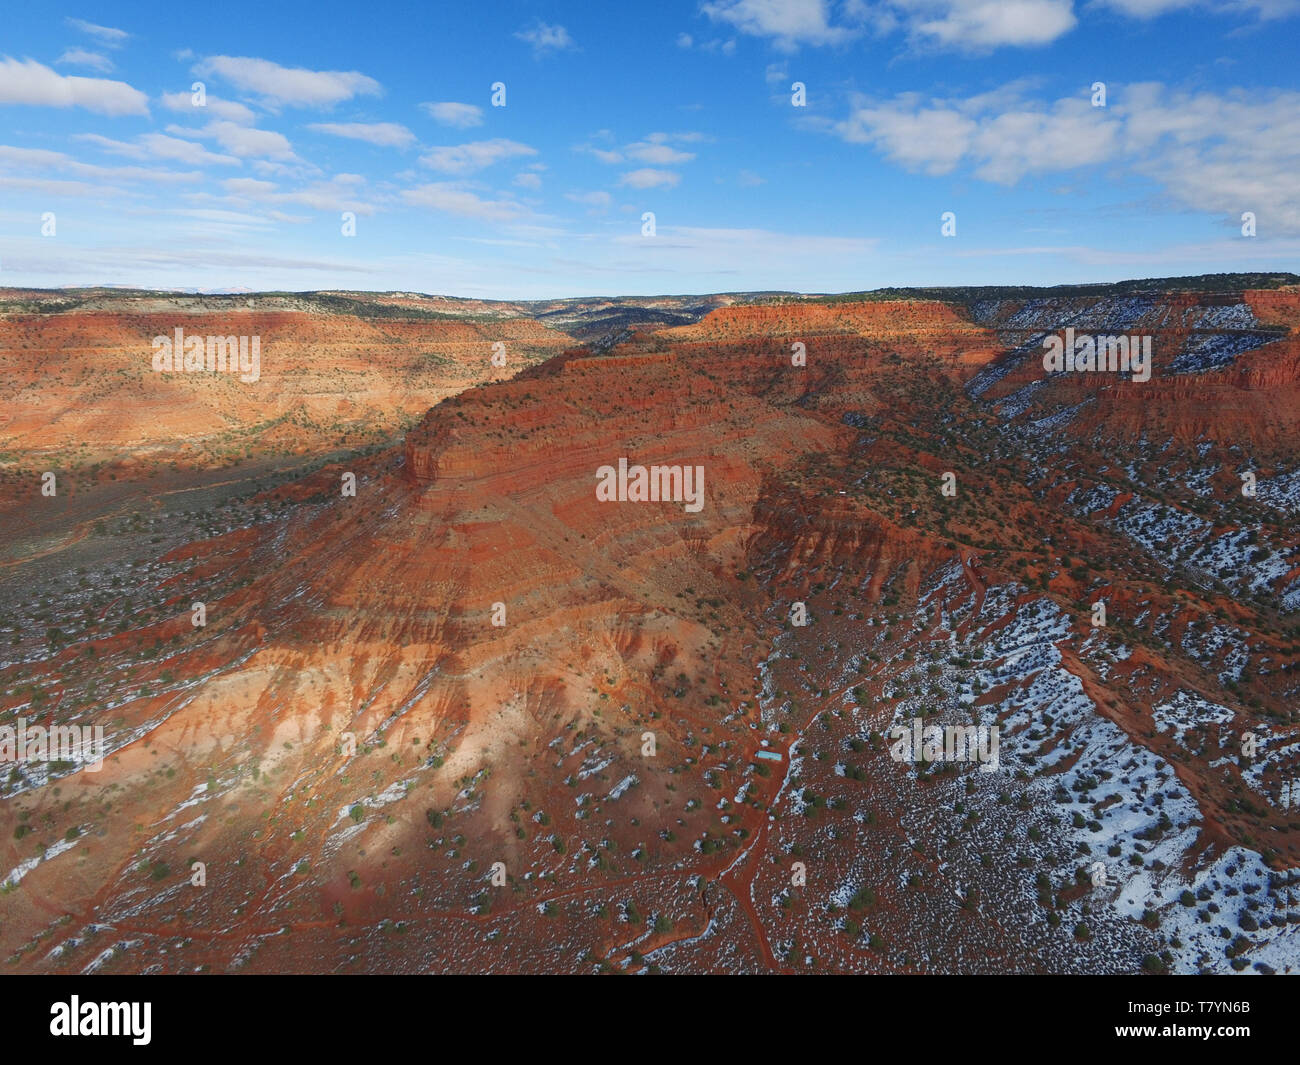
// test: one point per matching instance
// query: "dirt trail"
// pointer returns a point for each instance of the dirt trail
(80, 532)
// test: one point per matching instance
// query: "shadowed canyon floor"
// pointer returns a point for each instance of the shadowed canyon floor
(469, 717)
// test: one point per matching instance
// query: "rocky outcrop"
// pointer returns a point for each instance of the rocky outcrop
(80, 384)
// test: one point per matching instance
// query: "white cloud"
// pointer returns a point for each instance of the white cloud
(213, 107)
(204, 265)
(337, 194)
(958, 25)
(1223, 154)
(250, 188)
(289, 86)
(32, 158)
(223, 219)
(245, 141)
(1144, 8)
(454, 199)
(933, 139)
(605, 155)
(648, 178)
(329, 197)
(999, 135)
(546, 39)
(381, 134)
(1228, 153)
(789, 23)
(40, 160)
(159, 146)
(976, 25)
(966, 25)
(596, 201)
(653, 149)
(528, 180)
(721, 259)
(267, 167)
(450, 113)
(1027, 140)
(79, 57)
(1147, 9)
(114, 38)
(29, 82)
(658, 154)
(50, 187)
(684, 40)
(476, 155)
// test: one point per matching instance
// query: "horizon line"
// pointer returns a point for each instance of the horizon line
(1275, 279)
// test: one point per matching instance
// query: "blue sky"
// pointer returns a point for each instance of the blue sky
(913, 108)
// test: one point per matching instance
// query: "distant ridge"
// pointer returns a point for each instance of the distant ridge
(350, 298)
